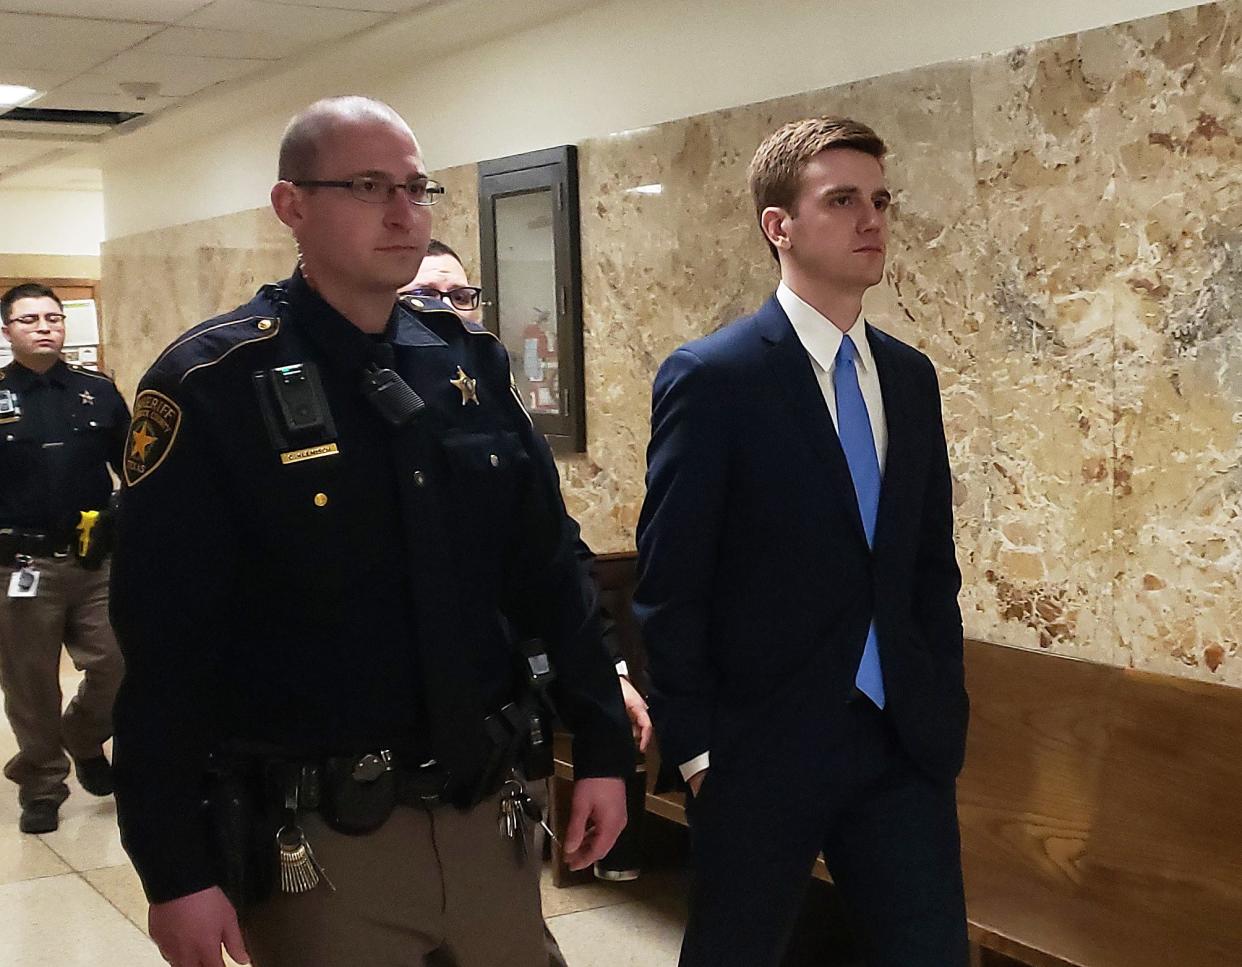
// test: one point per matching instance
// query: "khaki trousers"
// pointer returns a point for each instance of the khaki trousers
(430, 888)
(71, 609)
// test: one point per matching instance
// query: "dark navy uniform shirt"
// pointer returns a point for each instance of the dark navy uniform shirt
(340, 589)
(59, 432)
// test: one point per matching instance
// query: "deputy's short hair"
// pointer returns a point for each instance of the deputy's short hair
(436, 247)
(299, 146)
(27, 290)
(776, 169)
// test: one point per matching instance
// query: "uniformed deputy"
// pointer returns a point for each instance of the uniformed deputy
(60, 428)
(442, 276)
(334, 504)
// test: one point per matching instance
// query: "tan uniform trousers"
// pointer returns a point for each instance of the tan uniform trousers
(71, 608)
(430, 888)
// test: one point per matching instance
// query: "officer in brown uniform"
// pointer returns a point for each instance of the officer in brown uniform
(61, 427)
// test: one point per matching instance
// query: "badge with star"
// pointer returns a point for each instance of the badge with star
(151, 434)
(86, 398)
(468, 385)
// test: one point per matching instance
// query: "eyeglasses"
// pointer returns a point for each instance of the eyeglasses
(380, 191)
(463, 297)
(51, 318)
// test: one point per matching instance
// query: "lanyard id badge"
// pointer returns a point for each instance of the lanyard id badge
(24, 582)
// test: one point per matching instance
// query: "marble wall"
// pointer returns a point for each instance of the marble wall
(1067, 247)
(156, 285)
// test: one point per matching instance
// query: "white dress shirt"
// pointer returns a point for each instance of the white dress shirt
(821, 339)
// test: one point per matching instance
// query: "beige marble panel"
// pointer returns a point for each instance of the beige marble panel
(456, 221)
(1108, 163)
(1050, 294)
(1065, 249)
(158, 284)
(671, 251)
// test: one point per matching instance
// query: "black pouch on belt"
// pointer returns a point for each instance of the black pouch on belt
(358, 794)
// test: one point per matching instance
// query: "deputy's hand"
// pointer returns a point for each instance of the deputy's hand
(636, 709)
(190, 929)
(596, 819)
(695, 782)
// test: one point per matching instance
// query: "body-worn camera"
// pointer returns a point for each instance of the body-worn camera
(295, 408)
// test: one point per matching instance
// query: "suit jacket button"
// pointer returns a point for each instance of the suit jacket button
(420, 478)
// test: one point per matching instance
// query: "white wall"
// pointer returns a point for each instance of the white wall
(609, 67)
(46, 222)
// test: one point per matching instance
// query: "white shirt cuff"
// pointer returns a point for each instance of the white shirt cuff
(622, 668)
(694, 766)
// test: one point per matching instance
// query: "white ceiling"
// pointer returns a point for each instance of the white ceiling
(77, 53)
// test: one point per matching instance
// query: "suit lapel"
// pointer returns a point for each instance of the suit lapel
(899, 418)
(790, 368)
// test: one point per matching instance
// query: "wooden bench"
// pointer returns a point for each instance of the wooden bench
(1100, 807)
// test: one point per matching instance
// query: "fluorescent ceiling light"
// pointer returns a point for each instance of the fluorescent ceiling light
(646, 190)
(12, 95)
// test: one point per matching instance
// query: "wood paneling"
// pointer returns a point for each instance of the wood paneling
(1097, 806)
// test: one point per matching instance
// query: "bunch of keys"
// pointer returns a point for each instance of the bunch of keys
(516, 808)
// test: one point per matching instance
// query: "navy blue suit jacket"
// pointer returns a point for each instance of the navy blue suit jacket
(756, 585)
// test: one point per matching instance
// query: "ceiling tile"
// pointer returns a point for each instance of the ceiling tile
(72, 33)
(177, 76)
(298, 25)
(151, 11)
(384, 6)
(28, 56)
(40, 80)
(204, 42)
(62, 100)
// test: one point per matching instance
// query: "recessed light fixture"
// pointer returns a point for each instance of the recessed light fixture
(646, 190)
(12, 95)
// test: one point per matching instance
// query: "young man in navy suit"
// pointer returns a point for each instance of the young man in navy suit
(798, 588)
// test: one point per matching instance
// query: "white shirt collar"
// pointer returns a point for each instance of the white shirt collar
(819, 336)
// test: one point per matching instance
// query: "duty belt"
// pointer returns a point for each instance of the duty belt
(32, 544)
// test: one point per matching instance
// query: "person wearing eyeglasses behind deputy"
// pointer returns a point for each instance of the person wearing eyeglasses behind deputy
(61, 427)
(333, 508)
(442, 276)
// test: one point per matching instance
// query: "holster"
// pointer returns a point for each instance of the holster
(103, 536)
(243, 829)
(519, 736)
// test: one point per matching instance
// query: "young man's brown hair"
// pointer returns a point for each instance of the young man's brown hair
(776, 168)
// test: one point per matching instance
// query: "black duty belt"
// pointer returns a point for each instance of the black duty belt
(32, 544)
(353, 793)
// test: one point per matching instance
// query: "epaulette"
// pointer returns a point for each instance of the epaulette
(209, 342)
(478, 329)
(90, 372)
(423, 305)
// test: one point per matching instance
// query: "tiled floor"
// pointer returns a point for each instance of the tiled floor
(70, 898)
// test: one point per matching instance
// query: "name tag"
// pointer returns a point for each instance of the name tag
(309, 453)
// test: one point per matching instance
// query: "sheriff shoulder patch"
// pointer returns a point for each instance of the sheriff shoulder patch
(151, 434)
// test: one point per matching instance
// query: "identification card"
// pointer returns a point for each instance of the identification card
(24, 583)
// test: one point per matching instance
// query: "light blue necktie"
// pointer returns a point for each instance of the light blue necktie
(854, 429)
